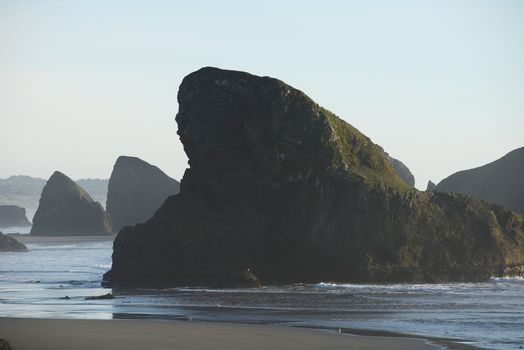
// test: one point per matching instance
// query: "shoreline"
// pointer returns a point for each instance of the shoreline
(440, 342)
(445, 343)
(131, 334)
(26, 238)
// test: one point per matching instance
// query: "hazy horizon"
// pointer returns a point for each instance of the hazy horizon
(439, 85)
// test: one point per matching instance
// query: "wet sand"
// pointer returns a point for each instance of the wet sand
(25, 334)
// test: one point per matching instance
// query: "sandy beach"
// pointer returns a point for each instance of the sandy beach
(25, 334)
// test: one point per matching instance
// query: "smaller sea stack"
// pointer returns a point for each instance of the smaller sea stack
(65, 209)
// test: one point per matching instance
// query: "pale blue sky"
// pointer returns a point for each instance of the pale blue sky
(439, 84)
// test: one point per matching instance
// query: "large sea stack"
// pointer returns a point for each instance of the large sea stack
(136, 190)
(280, 190)
(10, 244)
(65, 209)
(500, 182)
(12, 215)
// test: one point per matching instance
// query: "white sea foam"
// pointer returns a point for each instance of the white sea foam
(507, 279)
(103, 266)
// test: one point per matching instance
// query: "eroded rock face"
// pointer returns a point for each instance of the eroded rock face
(10, 244)
(12, 215)
(500, 182)
(66, 209)
(136, 190)
(280, 190)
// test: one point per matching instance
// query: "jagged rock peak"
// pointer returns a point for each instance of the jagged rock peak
(65, 208)
(431, 186)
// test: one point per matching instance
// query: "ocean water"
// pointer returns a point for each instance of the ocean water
(489, 315)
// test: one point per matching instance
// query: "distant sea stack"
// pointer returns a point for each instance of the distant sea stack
(65, 209)
(401, 169)
(136, 191)
(280, 190)
(431, 186)
(12, 215)
(500, 182)
(10, 244)
(24, 191)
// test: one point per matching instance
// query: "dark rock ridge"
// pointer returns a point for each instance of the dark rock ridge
(136, 190)
(12, 215)
(280, 190)
(500, 182)
(401, 169)
(66, 209)
(431, 186)
(10, 244)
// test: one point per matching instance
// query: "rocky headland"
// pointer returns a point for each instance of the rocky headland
(136, 190)
(12, 215)
(500, 182)
(65, 209)
(281, 190)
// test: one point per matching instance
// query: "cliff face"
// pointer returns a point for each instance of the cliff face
(280, 190)
(136, 190)
(66, 209)
(500, 182)
(9, 244)
(12, 215)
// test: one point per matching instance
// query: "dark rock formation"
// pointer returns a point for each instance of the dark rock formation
(101, 297)
(500, 182)
(11, 215)
(10, 244)
(136, 190)
(280, 190)
(401, 169)
(24, 191)
(431, 186)
(66, 209)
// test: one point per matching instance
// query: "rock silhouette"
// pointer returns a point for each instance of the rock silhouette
(66, 209)
(280, 190)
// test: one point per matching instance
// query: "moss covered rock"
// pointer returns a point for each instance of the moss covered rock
(281, 190)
